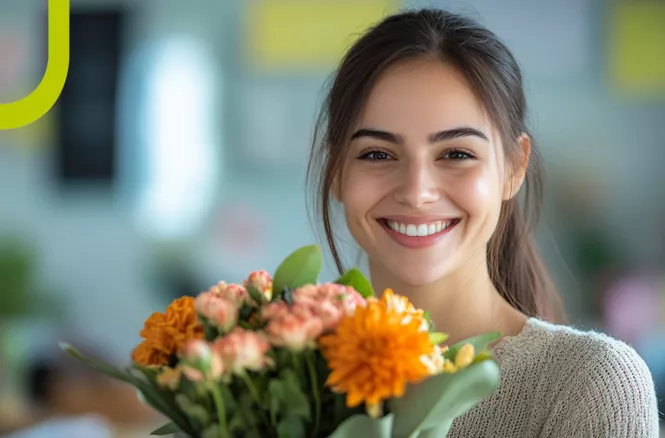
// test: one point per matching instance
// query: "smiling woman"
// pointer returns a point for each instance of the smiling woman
(425, 147)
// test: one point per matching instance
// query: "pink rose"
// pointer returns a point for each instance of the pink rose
(296, 330)
(236, 293)
(217, 310)
(243, 349)
(198, 362)
(261, 281)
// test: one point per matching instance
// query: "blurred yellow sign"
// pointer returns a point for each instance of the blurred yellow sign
(307, 34)
(637, 47)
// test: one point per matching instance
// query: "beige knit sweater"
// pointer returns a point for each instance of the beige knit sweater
(558, 382)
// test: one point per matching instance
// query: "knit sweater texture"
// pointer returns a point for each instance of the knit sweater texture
(560, 382)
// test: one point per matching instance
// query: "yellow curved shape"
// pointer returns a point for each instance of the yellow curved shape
(41, 100)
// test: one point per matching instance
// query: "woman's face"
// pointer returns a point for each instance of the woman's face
(424, 179)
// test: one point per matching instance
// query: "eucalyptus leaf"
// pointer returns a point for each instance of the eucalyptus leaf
(358, 281)
(167, 429)
(433, 404)
(366, 427)
(106, 369)
(300, 268)
(480, 343)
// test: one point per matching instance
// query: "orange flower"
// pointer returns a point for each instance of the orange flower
(374, 353)
(166, 333)
(402, 305)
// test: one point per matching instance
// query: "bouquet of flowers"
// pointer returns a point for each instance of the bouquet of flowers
(284, 356)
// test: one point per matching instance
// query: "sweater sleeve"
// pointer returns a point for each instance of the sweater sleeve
(612, 395)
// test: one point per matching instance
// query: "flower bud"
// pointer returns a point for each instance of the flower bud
(199, 363)
(464, 356)
(261, 281)
(170, 378)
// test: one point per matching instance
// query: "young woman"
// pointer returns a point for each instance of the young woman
(425, 148)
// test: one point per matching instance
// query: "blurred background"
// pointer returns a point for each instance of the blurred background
(175, 157)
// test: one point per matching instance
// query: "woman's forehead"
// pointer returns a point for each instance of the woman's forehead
(422, 97)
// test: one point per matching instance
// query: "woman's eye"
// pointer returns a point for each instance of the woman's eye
(458, 155)
(374, 156)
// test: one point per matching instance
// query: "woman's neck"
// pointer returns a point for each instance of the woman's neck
(463, 304)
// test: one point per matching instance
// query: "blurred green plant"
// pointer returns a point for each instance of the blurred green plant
(20, 294)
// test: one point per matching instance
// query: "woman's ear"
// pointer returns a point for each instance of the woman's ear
(518, 169)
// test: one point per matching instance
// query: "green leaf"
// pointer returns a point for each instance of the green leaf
(209, 331)
(211, 432)
(479, 343)
(300, 268)
(161, 400)
(291, 427)
(167, 429)
(295, 399)
(358, 281)
(437, 338)
(433, 404)
(287, 396)
(365, 426)
(106, 369)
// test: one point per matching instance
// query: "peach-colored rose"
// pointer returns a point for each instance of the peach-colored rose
(243, 349)
(236, 293)
(329, 302)
(328, 311)
(220, 312)
(198, 362)
(351, 300)
(261, 281)
(296, 330)
(275, 309)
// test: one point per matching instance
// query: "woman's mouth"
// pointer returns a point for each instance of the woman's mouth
(418, 235)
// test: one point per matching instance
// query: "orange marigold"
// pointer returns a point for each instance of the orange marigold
(374, 353)
(166, 333)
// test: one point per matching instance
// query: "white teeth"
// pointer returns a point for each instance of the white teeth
(419, 230)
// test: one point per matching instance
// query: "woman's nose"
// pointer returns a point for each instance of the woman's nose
(418, 185)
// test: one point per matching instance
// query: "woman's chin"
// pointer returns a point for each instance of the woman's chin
(416, 278)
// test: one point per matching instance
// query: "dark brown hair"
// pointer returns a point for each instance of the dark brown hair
(495, 76)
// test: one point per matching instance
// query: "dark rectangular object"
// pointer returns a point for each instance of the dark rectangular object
(86, 110)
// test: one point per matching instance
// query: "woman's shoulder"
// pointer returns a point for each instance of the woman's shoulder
(598, 382)
(578, 345)
(575, 349)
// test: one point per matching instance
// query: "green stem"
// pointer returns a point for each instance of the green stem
(221, 411)
(315, 392)
(252, 388)
(255, 394)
